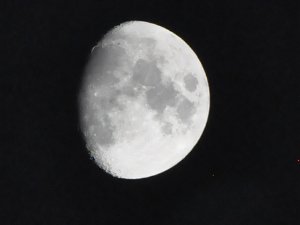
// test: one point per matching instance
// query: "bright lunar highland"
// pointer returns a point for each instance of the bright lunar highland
(144, 100)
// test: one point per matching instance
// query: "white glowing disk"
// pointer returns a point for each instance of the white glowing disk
(144, 100)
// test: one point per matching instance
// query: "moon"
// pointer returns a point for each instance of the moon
(144, 100)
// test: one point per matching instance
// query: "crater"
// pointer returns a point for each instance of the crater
(190, 82)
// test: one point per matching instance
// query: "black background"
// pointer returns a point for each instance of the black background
(244, 170)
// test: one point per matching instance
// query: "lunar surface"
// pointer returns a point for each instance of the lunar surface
(144, 100)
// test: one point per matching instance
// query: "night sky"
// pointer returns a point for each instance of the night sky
(243, 171)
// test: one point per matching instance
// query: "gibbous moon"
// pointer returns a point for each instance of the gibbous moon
(144, 100)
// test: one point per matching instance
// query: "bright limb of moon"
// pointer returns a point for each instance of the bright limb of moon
(144, 100)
